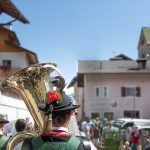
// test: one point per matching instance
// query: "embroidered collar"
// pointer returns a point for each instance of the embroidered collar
(58, 132)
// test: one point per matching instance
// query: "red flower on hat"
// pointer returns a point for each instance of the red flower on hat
(54, 96)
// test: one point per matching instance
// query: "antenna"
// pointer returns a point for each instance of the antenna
(8, 23)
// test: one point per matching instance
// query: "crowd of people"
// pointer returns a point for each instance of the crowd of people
(100, 132)
(10, 129)
(105, 136)
(57, 138)
(135, 139)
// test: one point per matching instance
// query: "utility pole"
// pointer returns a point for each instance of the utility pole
(134, 108)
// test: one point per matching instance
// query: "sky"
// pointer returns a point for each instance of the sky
(65, 31)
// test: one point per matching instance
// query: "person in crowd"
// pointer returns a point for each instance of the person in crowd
(110, 135)
(147, 143)
(59, 138)
(92, 123)
(85, 126)
(9, 128)
(20, 126)
(127, 145)
(103, 123)
(139, 147)
(30, 127)
(135, 140)
(3, 138)
(124, 145)
(128, 132)
(96, 136)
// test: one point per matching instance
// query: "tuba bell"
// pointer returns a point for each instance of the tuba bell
(32, 84)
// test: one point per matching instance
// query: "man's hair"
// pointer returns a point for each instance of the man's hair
(1, 125)
(20, 125)
(61, 118)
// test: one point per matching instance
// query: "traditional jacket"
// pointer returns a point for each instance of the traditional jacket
(58, 139)
(3, 141)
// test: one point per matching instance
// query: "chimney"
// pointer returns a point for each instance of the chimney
(7, 26)
(141, 63)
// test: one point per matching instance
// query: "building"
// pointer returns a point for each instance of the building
(78, 94)
(117, 87)
(13, 57)
(144, 44)
(9, 8)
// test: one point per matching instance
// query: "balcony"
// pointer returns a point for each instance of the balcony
(5, 71)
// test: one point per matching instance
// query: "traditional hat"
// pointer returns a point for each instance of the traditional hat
(66, 104)
(57, 101)
(2, 120)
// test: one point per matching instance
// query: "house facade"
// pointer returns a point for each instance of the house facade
(117, 87)
(13, 57)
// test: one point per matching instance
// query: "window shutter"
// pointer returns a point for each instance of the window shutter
(123, 91)
(138, 91)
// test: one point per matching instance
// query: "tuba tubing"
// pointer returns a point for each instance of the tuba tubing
(19, 137)
(32, 84)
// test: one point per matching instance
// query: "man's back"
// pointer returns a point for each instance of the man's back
(55, 143)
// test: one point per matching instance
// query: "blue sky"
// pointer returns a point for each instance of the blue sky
(65, 31)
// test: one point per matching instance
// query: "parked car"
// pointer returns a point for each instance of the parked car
(126, 124)
(123, 123)
(143, 129)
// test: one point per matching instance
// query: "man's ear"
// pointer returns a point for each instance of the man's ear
(70, 114)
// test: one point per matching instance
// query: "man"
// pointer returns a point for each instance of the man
(3, 138)
(20, 126)
(111, 135)
(59, 138)
(95, 136)
(9, 128)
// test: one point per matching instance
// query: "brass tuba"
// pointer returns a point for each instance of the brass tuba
(32, 84)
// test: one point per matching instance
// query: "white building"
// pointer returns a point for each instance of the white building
(13, 57)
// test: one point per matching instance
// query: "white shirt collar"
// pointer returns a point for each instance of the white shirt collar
(60, 128)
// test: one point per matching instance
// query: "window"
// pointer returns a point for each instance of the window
(97, 91)
(143, 55)
(109, 115)
(102, 91)
(94, 115)
(131, 91)
(132, 113)
(105, 92)
(7, 63)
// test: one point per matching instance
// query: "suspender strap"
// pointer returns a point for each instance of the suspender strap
(3, 140)
(86, 143)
